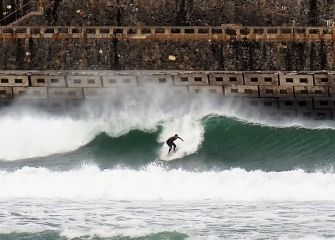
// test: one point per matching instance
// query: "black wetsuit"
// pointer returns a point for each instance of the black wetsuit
(170, 143)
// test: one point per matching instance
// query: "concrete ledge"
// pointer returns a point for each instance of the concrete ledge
(295, 103)
(155, 79)
(217, 78)
(276, 91)
(100, 93)
(263, 103)
(261, 79)
(84, 81)
(241, 91)
(324, 80)
(324, 103)
(119, 81)
(318, 91)
(30, 92)
(187, 79)
(206, 90)
(14, 81)
(315, 114)
(6, 93)
(293, 79)
(65, 93)
(48, 81)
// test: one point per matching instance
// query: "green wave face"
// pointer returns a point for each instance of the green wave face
(227, 143)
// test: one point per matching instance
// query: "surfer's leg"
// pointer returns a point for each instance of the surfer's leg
(174, 146)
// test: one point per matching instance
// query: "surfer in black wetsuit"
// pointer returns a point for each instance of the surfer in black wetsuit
(170, 142)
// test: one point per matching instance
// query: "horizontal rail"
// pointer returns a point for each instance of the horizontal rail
(205, 33)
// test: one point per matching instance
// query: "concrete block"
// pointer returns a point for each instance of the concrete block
(262, 103)
(100, 93)
(307, 91)
(84, 81)
(276, 91)
(295, 103)
(119, 81)
(331, 91)
(47, 81)
(6, 93)
(241, 91)
(30, 92)
(291, 79)
(14, 81)
(279, 114)
(324, 103)
(261, 79)
(324, 79)
(65, 93)
(217, 78)
(315, 114)
(187, 79)
(155, 79)
(206, 90)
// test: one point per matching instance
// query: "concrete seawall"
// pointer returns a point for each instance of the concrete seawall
(309, 95)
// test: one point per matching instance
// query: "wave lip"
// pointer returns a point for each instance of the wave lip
(155, 183)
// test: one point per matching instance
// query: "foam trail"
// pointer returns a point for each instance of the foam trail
(155, 183)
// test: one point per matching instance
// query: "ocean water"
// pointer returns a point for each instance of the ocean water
(103, 172)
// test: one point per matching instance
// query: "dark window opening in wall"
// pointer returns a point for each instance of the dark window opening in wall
(234, 90)
(304, 91)
(232, 79)
(203, 30)
(54, 80)
(118, 30)
(302, 103)
(184, 79)
(307, 114)
(248, 91)
(216, 30)
(219, 79)
(4, 80)
(146, 31)
(72, 93)
(162, 80)
(77, 81)
(212, 91)
(321, 115)
(37, 93)
(289, 80)
(189, 31)
(57, 93)
(269, 91)
(318, 91)
(324, 103)
(303, 80)
(126, 80)
(175, 30)
(268, 104)
(40, 80)
(253, 79)
(198, 79)
(18, 80)
(3, 92)
(91, 81)
(283, 91)
(253, 103)
(112, 81)
(267, 79)
(324, 80)
(288, 103)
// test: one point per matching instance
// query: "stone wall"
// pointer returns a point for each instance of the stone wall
(187, 12)
(154, 55)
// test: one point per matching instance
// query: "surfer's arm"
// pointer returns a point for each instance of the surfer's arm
(181, 139)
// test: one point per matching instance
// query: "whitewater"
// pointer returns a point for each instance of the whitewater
(102, 172)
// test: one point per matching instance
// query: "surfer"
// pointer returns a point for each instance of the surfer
(170, 142)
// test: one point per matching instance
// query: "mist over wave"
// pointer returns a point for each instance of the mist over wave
(156, 183)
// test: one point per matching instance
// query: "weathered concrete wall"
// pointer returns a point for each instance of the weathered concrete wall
(154, 55)
(309, 95)
(187, 12)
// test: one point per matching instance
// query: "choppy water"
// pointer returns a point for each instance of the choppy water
(106, 175)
